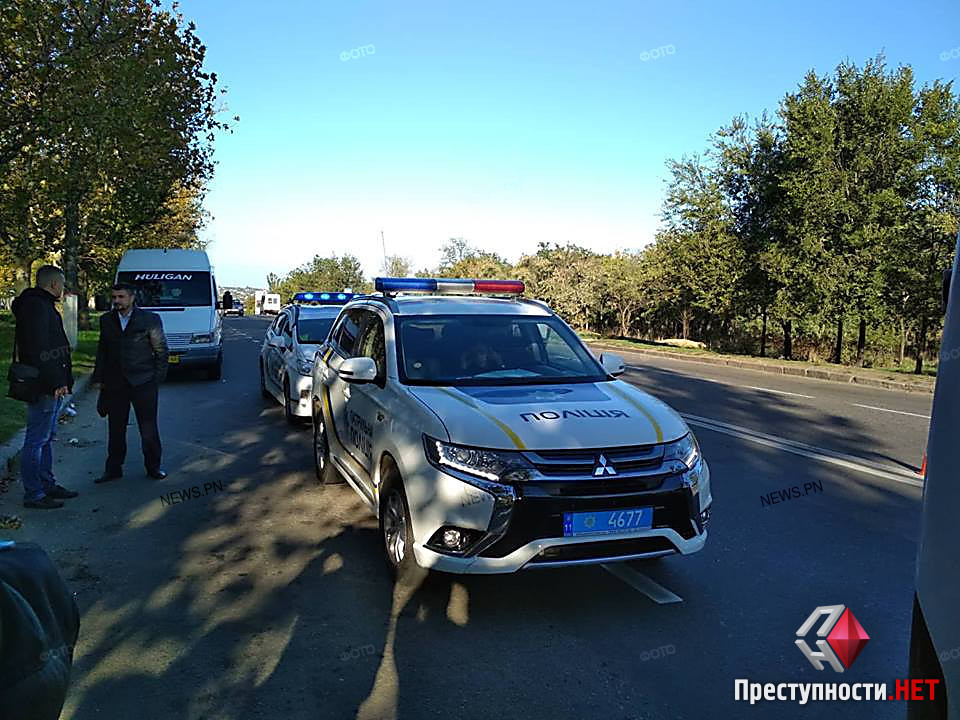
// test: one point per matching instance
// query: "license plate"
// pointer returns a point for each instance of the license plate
(607, 522)
(173, 359)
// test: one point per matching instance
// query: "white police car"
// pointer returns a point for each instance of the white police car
(289, 346)
(488, 438)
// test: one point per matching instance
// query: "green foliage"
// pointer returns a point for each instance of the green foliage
(333, 273)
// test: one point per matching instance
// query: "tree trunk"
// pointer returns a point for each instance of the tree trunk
(71, 244)
(838, 351)
(787, 339)
(921, 346)
(861, 340)
(763, 334)
(903, 340)
(686, 323)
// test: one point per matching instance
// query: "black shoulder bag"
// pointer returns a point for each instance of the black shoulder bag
(24, 379)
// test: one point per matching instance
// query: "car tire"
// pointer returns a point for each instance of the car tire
(263, 385)
(396, 529)
(327, 474)
(215, 372)
(287, 412)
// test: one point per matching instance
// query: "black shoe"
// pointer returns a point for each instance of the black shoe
(107, 477)
(59, 492)
(44, 503)
(158, 474)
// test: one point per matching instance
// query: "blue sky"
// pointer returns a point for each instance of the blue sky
(507, 123)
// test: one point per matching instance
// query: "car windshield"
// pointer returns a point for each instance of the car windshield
(492, 350)
(169, 288)
(313, 330)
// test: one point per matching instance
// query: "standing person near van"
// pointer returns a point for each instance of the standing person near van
(41, 343)
(131, 363)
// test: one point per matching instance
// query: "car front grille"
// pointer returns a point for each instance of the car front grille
(635, 460)
(178, 340)
(603, 550)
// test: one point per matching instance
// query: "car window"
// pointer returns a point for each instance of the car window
(492, 350)
(281, 325)
(285, 327)
(372, 343)
(275, 325)
(345, 336)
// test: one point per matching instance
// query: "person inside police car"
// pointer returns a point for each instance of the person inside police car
(131, 363)
(40, 342)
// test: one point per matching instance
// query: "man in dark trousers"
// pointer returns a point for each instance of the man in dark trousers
(42, 343)
(131, 364)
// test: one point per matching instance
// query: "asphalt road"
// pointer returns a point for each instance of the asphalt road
(271, 599)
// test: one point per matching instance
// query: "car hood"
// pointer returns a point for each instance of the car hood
(187, 320)
(553, 417)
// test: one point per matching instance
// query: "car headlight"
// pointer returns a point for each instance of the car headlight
(686, 450)
(495, 465)
(202, 338)
(305, 365)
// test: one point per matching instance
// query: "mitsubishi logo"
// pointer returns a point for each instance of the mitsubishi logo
(602, 468)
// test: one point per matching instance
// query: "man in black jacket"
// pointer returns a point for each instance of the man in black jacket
(42, 343)
(131, 364)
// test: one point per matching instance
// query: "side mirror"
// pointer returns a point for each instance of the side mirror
(358, 370)
(612, 364)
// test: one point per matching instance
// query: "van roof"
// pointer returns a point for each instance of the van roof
(165, 259)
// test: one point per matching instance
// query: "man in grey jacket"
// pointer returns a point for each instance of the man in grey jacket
(131, 363)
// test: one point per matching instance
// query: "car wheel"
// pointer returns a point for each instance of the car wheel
(327, 474)
(397, 531)
(216, 371)
(263, 385)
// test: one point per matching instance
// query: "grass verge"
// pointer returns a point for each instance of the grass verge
(900, 374)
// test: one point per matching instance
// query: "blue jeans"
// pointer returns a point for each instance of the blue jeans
(36, 458)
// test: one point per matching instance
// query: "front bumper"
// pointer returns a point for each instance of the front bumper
(527, 530)
(300, 388)
(194, 355)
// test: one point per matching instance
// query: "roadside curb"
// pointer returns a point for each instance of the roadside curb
(798, 370)
(10, 449)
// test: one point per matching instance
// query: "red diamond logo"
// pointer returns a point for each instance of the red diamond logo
(847, 638)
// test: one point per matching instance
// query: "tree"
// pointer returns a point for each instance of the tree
(396, 266)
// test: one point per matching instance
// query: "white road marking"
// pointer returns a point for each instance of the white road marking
(850, 462)
(730, 384)
(898, 412)
(639, 581)
(778, 392)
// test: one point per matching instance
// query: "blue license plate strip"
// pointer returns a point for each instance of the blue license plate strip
(607, 522)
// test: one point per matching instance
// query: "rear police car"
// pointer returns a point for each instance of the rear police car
(289, 347)
(488, 438)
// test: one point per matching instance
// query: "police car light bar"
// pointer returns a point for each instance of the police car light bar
(323, 298)
(449, 286)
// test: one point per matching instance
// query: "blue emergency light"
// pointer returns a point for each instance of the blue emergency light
(325, 298)
(449, 286)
